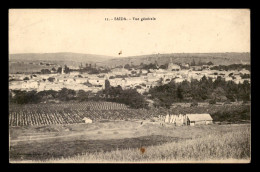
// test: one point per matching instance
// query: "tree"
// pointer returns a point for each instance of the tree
(210, 63)
(66, 94)
(59, 70)
(193, 63)
(156, 63)
(111, 77)
(179, 92)
(212, 101)
(199, 63)
(45, 71)
(163, 67)
(66, 69)
(26, 78)
(127, 66)
(107, 84)
(132, 98)
(230, 74)
(160, 81)
(51, 79)
(82, 95)
(219, 94)
(194, 103)
(93, 71)
(24, 97)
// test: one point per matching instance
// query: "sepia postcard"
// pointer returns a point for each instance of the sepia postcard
(129, 86)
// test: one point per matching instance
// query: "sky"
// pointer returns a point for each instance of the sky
(87, 31)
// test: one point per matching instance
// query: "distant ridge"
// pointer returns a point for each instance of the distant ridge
(217, 58)
(61, 56)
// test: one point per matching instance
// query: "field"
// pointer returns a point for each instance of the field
(69, 113)
(26, 68)
(57, 133)
(129, 141)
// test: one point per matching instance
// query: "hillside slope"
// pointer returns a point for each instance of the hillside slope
(76, 57)
(216, 58)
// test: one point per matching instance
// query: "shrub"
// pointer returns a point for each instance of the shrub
(212, 101)
(23, 97)
(45, 71)
(232, 115)
(26, 78)
(194, 104)
(51, 79)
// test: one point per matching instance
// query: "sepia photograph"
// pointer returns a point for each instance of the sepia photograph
(129, 86)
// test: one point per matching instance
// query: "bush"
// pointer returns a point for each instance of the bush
(212, 101)
(51, 79)
(194, 104)
(232, 115)
(26, 78)
(82, 95)
(45, 71)
(66, 94)
(23, 97)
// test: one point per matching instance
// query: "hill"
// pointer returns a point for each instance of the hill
(76, 57)
(216, 58)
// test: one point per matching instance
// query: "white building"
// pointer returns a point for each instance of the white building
(173, 67)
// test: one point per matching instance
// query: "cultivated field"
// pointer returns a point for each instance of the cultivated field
(26, 68)
(69, 113)
(57, 133)
(129, 141)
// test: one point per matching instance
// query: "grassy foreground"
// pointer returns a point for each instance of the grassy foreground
(228, 146)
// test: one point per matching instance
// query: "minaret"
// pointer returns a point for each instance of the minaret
(62, 70)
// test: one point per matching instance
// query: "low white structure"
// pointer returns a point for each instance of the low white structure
(87, 120)
(174, 67)
(188, 119)
(178, 80)
(193, 119)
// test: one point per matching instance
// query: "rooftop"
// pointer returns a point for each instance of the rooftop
(199, 117)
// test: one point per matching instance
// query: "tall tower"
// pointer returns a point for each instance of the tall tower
(62, 70)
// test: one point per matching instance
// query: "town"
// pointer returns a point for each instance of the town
(140, 79)
(161, 86)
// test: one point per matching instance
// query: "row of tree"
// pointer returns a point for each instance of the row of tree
(232, 67)
(204, 90)
(59, 70)
(163, 96)
(129, 97)
(25, 97)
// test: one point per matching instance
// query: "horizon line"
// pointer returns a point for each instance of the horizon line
(137, 55)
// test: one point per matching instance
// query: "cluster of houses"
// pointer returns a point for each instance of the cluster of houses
(126, 78)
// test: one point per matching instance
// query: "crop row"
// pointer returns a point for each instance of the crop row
(61, 106)
(23, 118)
(69, 113)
